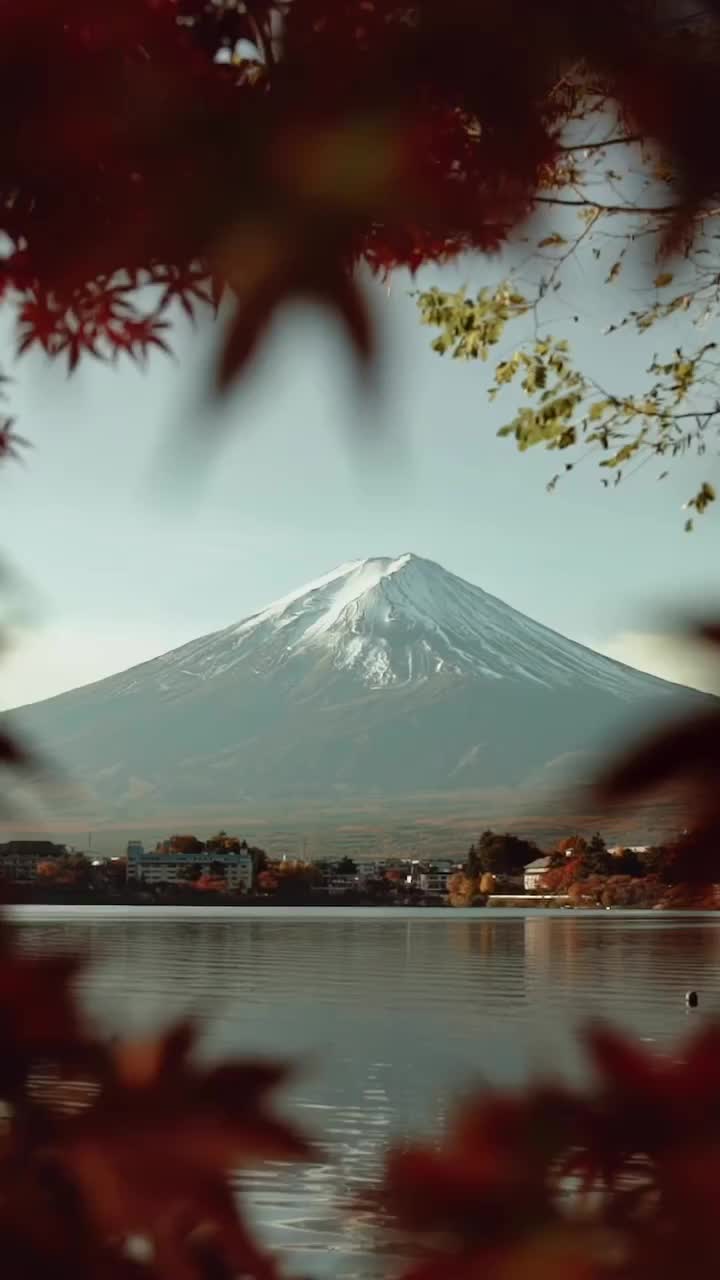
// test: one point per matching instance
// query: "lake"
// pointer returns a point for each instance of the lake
(389, 1013)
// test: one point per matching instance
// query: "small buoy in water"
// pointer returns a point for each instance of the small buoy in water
(691, 999)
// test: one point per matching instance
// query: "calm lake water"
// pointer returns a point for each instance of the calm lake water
(388, 1014)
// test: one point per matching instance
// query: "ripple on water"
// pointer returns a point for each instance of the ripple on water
(389, 1016)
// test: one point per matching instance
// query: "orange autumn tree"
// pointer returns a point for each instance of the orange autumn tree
(48, 870)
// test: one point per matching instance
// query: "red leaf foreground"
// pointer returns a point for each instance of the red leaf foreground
(101, 1145)
(158, 152)
(620, 1178)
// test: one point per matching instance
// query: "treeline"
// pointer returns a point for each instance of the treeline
(494, 863)
(295, 881)
(676, 873)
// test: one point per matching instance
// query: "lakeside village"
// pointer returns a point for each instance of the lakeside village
(499, 870)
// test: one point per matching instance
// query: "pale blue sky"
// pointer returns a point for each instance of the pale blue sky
(126, 554)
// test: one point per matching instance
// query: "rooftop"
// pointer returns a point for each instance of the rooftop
(540, 864)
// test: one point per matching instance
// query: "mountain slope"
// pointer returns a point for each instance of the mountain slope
(384, 678)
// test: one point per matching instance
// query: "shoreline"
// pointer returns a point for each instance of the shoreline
(19, 911)
(68, 897)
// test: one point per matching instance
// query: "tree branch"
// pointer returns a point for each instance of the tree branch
(600, 146)
(659, 210)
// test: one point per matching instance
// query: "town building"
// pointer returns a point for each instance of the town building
(616, 850)
(19, 859)
(434, 883)
(534, 873)
(417, 872)
(369, 870)
(338, 884)
(236, 868)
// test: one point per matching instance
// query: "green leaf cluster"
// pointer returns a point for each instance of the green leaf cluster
(565, 406)
(470, 327)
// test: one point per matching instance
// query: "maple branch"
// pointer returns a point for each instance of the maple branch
(600, 146)
(661, 210)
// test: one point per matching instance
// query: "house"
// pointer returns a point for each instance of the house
(434, 883)
(533, 874)
(443, 865)
(368, 870)
(236, 868)
(19, 859)
(343, 884)
(617, 849)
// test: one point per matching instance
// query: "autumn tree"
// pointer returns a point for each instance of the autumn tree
(210, 882)
(651, 860)
(291, 879)
(223, 843)
(630, 891)
(559, 878)
(114, 872)
(219, 842)
(629, 862)
(568, 847)
(595, 860)
(378, 887)
(345, 867)
(582, 891)
(48, 869)
(70, 869)
(463, 889)
(690, 860)
(259, 856)
(500, 855)
(268, 880)
(185, 844)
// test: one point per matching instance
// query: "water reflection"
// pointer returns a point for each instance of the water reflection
(389, 1016)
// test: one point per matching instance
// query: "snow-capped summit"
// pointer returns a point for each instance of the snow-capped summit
(393, 622)
(387, 677)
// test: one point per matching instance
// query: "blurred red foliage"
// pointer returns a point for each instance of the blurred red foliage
(620, 1179)
(264, 148)
(100, 1144)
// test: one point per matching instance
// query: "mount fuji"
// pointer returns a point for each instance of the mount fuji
(386, 678)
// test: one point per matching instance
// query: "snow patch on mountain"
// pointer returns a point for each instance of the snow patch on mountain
(392, 622)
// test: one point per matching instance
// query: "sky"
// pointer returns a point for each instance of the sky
(143, 516)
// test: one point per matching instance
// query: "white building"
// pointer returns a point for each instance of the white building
(369, 870)
(534, 873)
(435, 882)
(169, 868)
(343, 884)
